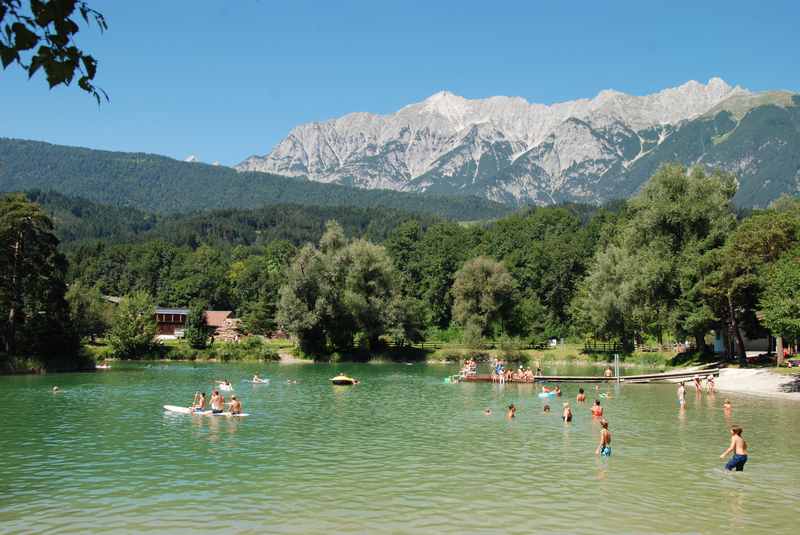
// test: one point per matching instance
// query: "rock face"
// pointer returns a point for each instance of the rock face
(510, 150)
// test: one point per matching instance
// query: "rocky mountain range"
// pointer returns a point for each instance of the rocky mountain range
(588, 150)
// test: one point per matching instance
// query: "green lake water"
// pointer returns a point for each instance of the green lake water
(400, 453)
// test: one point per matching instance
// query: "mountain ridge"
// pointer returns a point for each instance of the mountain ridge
(505, 148)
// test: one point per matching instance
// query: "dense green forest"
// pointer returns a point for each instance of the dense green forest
(674, 262)
(79, 221)
(163, 185)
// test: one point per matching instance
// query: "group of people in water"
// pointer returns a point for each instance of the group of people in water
(737, 448)
(604, 446)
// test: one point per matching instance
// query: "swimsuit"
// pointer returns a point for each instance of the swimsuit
(605, 451)
(736, 462)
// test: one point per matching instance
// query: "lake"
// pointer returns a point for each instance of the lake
(400, 453)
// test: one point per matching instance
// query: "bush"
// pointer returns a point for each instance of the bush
(478, 356)
(452, 356)
(516, 357)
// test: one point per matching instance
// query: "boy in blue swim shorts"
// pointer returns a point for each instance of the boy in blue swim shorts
(604, 448)
(739, 449)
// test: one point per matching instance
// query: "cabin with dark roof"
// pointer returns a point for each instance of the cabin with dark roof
(170, 322)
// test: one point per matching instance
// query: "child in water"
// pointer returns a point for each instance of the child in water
(546, 407)
(581, 397)
(604, 448)
(739, 449)
(567, 414)
(597, 410)
(512, 411)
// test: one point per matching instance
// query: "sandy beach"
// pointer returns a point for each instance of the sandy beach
(759, 381)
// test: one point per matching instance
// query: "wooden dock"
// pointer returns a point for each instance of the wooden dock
(642, 378)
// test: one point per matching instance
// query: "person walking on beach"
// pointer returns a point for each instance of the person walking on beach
(604, 448)
(739, 449)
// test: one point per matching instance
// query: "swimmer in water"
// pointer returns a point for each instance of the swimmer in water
(567, 414)
(681, 395)
(726, 405)
(487, 412)
(512, 411)
(558, 391)
(597, 410)
(56, 390)
(546, 407)
(739, 449)
(604, 448)
(581, 397)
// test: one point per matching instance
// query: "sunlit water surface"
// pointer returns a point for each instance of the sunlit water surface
(400, 453)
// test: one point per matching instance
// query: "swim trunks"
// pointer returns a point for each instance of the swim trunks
(216, 411)
(606, 451)
(737, 463)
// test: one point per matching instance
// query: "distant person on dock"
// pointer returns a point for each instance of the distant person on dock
(597, 410)
(512, 411)
(236, 406)
(739, 449)
(604, 448)
(609, 372)
(567, 414)
(681, 394)
(581, 397)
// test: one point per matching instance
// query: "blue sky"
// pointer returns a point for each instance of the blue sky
(224, 79)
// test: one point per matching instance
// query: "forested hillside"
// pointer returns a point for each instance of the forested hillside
(163, 185)
(78, 220)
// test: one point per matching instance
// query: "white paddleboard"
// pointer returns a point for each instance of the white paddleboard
(187, 410)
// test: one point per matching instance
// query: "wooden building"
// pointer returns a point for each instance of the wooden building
(171, 322)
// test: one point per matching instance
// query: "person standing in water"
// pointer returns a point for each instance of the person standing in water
(604, 448)
(681, 395)
(567, 414)
(597, 410)
(581, 397)
(739, 449)
(512, 411)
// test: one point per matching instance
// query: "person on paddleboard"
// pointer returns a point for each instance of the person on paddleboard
(217, 402)
(199, 403)
(236, 406)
